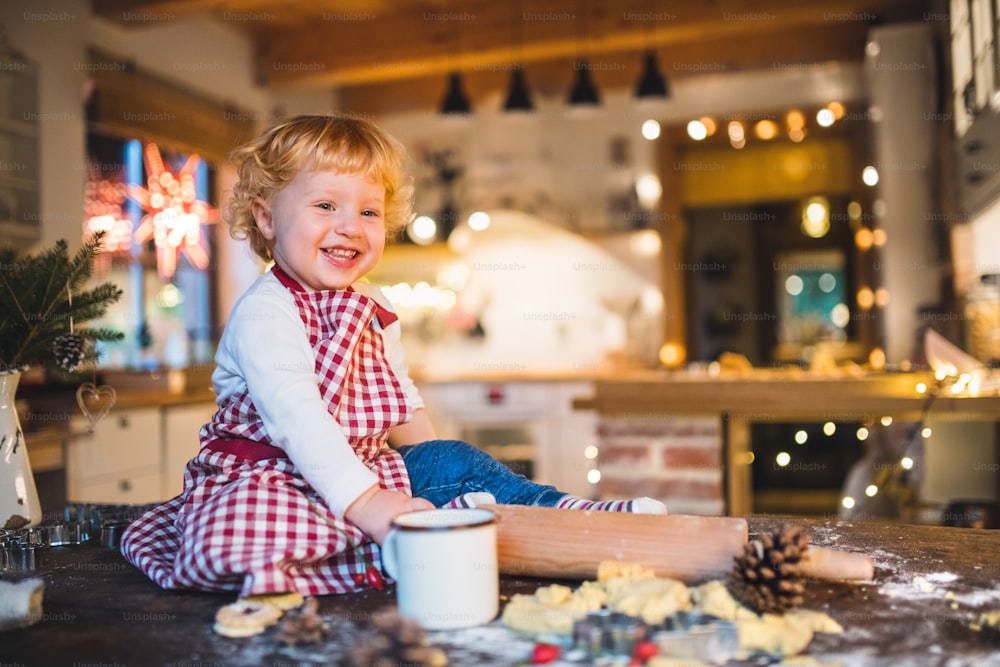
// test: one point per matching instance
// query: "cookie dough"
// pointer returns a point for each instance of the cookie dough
(283, 601)
(714, 599)
(245, 618)
(774, 634)
(651, 599)
(553, 609)
(631, 589)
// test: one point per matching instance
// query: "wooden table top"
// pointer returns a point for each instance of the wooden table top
(98, 609)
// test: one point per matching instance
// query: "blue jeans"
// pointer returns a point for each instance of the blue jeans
(441, 470)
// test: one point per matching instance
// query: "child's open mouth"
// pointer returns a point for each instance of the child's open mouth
(340, 253)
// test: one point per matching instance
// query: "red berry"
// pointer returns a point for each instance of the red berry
(644, 651)
(544, 653)
(375, 578)
(359, 578)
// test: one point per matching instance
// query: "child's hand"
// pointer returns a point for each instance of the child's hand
(375, 509)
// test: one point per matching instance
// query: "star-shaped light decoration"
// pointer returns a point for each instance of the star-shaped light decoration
(174, 215)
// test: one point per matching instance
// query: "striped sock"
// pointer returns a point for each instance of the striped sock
(636, 505)
(471, 499)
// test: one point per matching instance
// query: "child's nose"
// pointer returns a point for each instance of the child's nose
(348, 224)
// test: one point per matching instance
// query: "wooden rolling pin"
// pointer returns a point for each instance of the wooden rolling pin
(569, 544)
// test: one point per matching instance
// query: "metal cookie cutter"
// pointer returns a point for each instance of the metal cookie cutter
(613, 635)
(698, 636)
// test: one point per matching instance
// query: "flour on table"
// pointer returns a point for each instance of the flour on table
(920, 587)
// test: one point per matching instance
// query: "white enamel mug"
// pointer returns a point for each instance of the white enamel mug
(444, 562)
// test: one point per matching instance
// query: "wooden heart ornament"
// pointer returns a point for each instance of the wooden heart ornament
(94, 401)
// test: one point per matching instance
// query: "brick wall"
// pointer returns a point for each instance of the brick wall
(675, 459)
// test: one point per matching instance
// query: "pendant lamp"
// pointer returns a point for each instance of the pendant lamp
(652, 83)
(583, 92)
(455, 100)
(518, 97)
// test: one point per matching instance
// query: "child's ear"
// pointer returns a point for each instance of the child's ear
(262, 216)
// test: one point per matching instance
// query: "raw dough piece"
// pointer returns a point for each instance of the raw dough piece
(652, 600)
(988, 620)
(714, 599)
(283, 601)
(553, 609)
(245, 618)
(784, 635)
(777, 635)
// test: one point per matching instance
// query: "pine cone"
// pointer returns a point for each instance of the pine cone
(303, 626)
(395, 640)
(767, 577)
(69, 351)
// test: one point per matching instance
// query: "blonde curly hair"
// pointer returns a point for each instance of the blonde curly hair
(341, 143)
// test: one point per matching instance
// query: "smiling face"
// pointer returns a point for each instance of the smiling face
(326, 228)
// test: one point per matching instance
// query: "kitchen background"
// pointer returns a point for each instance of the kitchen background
(818, 186)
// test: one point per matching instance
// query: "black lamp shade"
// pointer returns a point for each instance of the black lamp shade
(518, 97)
(455, 100)
(584, 91)
(652, 83)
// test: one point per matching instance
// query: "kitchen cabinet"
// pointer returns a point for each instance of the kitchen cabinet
(134, 455)
(181, 425)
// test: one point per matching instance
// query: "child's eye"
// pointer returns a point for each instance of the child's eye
(371, 213)
(326, 206)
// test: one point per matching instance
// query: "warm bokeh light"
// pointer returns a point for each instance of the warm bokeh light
(863, 238)
(651, 130)
(766, 129)
(869, 176)
(696, 130)
(648, 189)
(672, 355)
(865, 298)
(879, 237)
(825, 118)
(882, 297)
(479, 220)
(422, 230)
(876, 359)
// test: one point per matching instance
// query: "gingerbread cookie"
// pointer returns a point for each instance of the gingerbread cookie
(245, 618)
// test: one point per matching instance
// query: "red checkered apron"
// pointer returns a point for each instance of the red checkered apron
(246, 519)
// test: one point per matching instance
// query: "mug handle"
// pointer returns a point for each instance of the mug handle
(389, 552)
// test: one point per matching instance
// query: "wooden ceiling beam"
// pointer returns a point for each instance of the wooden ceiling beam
(310, 43)
(553, 78)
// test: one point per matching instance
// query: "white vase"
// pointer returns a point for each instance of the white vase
(19, 504)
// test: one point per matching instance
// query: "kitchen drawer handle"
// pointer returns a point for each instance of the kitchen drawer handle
(123, 421)
(125, 485)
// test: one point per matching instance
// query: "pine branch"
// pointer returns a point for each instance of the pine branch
(37, 288)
